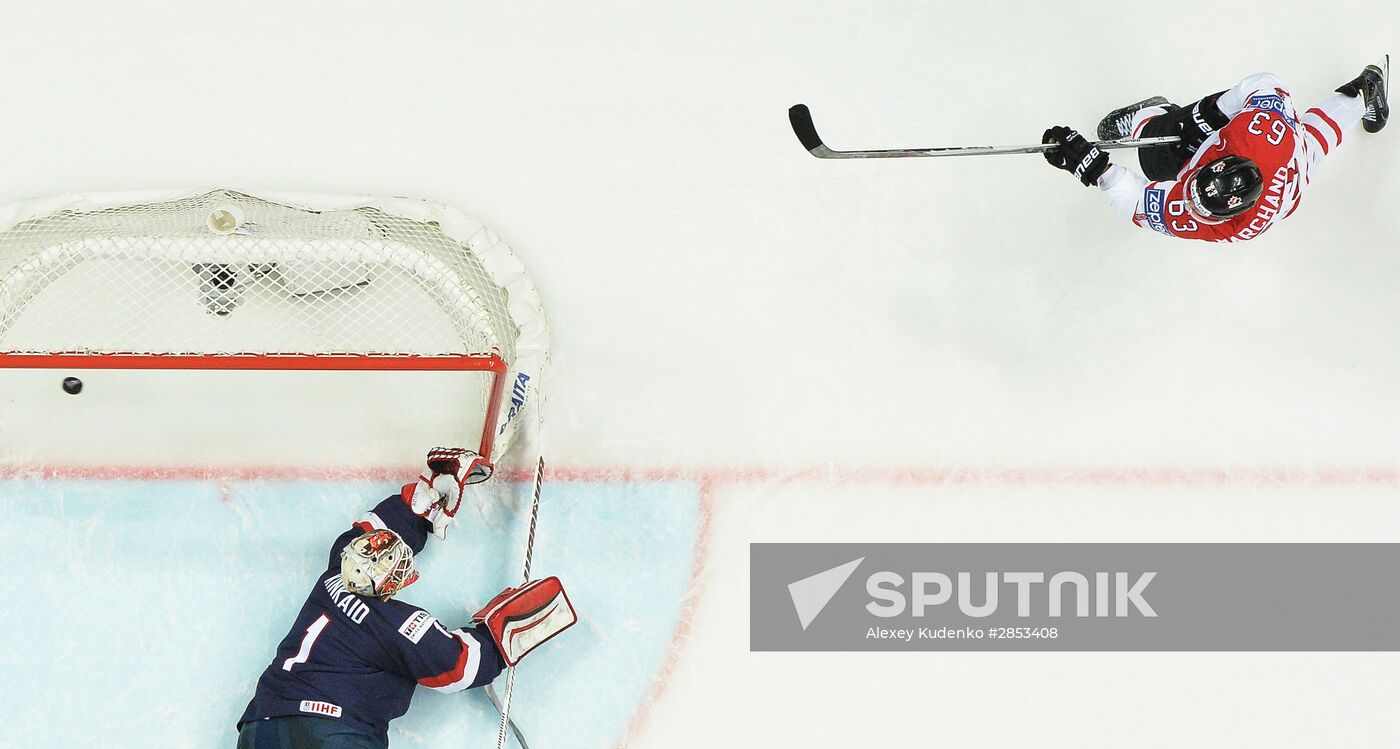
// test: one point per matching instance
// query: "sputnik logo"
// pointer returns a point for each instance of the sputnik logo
(811, 594)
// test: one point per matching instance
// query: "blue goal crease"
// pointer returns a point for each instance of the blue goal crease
(158, 603)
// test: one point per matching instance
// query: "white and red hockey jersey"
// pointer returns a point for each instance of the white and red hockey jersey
(1265, 128)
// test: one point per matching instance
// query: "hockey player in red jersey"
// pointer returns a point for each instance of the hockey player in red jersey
(354, 655)
(1244, 159)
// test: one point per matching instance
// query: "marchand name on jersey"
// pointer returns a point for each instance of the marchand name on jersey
(1269, 204)
(345, 600)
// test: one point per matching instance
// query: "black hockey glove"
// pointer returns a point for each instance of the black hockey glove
(1075, 154)
(1202, 120)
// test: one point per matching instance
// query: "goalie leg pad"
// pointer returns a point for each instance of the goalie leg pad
(521, 619)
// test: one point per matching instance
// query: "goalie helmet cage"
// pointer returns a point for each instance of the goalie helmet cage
(220, 328)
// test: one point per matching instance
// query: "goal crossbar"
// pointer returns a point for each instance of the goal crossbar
(264, 361)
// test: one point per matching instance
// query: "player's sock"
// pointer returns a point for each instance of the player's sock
(1332, 120)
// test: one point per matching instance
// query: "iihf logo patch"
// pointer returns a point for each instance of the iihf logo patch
(317, 707)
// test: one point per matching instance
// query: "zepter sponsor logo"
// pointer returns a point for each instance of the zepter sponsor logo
(1154, 203)
(1271, 103)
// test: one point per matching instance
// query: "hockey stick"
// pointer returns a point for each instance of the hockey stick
(524, 578)
(519, 738)
(801, 119)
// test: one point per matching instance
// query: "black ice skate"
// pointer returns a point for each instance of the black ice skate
(1372, 85)
(1119, 123)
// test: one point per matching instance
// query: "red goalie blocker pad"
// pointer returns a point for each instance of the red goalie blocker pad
(521, 619)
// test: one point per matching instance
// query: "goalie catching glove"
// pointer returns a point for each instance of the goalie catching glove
(521, 619)
(438, 494)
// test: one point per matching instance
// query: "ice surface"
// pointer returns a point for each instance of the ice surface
(960, 349)
(157, 604)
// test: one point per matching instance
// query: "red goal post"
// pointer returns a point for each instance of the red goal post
(218, 282)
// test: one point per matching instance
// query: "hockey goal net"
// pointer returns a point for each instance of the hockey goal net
(217, 321)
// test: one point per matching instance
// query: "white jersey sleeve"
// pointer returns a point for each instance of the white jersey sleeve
(1124, 189)
(1246, 93)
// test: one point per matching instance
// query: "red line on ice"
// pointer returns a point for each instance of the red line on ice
(1030, 475)
(682, 632)
(709, 480)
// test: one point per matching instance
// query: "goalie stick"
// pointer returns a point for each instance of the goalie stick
(504, 705)
(519, 738)
(801, 119)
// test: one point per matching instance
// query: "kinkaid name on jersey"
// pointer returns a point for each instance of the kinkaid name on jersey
(345, 600)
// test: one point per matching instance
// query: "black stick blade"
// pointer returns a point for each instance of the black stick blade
(801, 119)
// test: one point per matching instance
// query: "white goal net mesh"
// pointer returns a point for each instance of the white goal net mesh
(225, 280)
(157, 279)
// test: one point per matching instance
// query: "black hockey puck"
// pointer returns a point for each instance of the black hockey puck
(72, 385)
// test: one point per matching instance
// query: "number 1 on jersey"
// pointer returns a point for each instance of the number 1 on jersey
(312, 632)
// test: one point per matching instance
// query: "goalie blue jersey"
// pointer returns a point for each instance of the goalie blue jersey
(357, 659)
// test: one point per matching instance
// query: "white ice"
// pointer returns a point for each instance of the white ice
(907, 350)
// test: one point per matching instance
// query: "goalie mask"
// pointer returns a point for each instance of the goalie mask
(377, 564)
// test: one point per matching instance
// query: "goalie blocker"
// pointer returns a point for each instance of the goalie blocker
(521, 619)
